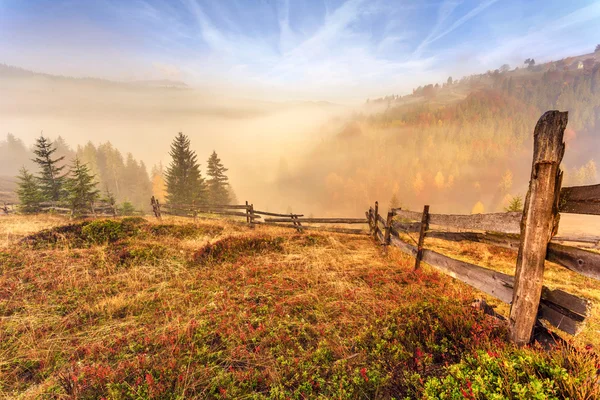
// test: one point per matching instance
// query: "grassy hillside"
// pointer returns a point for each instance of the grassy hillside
(134, 308)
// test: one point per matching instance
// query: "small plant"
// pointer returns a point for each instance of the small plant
(525, 373)
(126, 209)
(515, 205)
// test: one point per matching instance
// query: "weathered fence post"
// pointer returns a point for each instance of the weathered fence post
(424, 227)
(247, 213)
(388, 229)
(252, 216)
(375, 220)
(538, 224)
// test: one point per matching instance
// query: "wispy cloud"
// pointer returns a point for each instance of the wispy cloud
(323, 49)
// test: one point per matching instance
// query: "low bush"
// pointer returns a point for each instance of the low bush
(520, 373)
(230, 248)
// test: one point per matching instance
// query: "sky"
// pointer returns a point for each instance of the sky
(335, 50)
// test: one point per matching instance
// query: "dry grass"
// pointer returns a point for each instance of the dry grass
(215, 309)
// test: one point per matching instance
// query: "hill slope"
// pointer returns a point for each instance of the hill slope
(137, 309)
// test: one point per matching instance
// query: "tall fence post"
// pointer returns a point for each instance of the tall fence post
(252, 216)
(538, 224)
(247, 213)
(375, 220)
(424, 227)
(388, 229)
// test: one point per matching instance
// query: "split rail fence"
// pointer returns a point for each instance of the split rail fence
(97, 210)
(530, 232)
(255, 217)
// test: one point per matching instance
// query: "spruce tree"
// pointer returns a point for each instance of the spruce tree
(218, 185)
(184, 183)
(81, 188)
(29, 192)
(50, 179)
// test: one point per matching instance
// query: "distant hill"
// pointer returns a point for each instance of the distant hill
(13, 72)
(458, 143)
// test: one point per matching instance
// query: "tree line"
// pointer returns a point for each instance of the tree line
(77, 185)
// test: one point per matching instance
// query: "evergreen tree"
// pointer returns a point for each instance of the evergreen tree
(81, 188)
(516, 204)
(29, 192)
(218, 184)
(184, 182)
(51, 181)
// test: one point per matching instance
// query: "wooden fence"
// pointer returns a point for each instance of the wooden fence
(255, 217)
(529, 232)
(98, 209)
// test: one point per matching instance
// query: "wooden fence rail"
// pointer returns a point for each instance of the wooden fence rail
(97, 209)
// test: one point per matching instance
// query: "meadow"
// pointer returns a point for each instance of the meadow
(134, 308)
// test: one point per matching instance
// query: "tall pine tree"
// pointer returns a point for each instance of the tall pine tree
(81, 188)
(183, 180)
(29, 192)
(51, 181)
(218, 183)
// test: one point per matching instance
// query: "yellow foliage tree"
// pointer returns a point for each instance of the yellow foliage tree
(418, 183)
(440, 182)
(478, 208)
(159, 189)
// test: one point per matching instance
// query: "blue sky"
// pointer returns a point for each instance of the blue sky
(314, 49)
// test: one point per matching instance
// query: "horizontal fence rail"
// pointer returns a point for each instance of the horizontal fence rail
(580, 200)
(97, 209)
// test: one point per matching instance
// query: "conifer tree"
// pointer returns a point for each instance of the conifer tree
(184, 182)
(29, 192)
(516, 204)
(50, 180)
(218, 183)
(81, 188)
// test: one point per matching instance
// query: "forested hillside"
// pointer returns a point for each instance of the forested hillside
(462, 146)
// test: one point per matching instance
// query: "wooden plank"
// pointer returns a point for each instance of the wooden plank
(380, 237)
(562, 310)
(422, 229)
(388, 228)
(505, 240)
(375, 220)
(206, 206)
(539, 223)
(569, 302)
(318, 228)
(403, 246)
(582, 261)
(491, 282)
(407, 226)
(277, 215)
(409, 215)
(580, 200)
(322, 220)
(555, 318)
(495, 222)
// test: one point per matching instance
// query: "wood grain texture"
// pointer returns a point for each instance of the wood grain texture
(580, 200)
(538, 224)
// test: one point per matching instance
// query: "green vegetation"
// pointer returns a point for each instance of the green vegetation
(131, 309)
(184, 184)
(29, 192)
(516, 204)
(80, 188)
(218, 185)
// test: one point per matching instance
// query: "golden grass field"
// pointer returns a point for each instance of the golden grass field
(139, 308)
